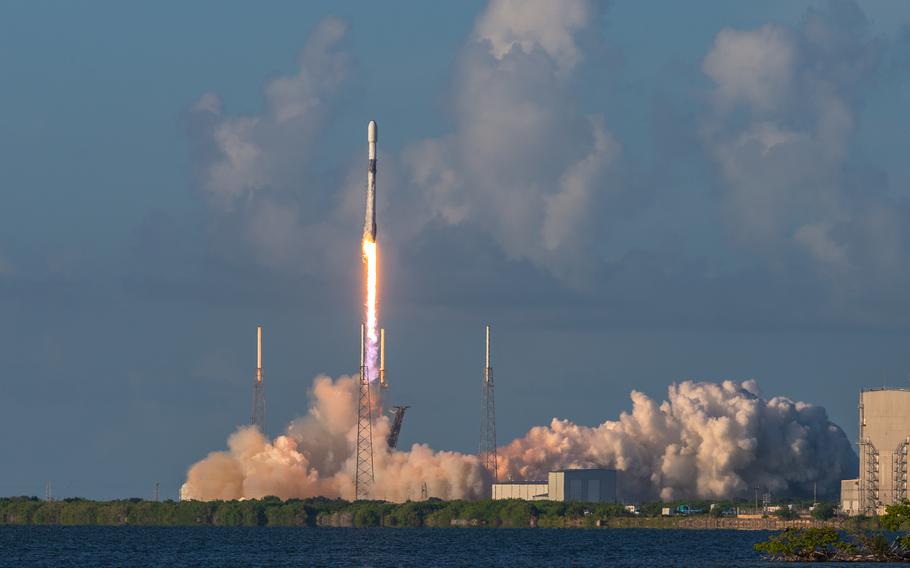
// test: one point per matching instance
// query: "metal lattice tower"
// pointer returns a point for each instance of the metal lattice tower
(363, 480)
(257, 417)
(487, 451)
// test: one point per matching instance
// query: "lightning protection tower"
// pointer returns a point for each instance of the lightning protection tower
(258, 415)
(363, 480)
(487, 451)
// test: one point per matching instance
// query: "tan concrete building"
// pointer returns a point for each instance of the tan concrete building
(884, 437)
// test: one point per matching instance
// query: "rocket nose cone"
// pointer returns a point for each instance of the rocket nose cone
(371, 131)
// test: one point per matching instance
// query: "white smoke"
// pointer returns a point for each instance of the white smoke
(315, 457)
(707, 440)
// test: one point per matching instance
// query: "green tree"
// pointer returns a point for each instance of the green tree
(786, 513)
(823, 511)
(896, 517)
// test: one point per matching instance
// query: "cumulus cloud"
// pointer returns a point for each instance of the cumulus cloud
(753, 66)
(522, 163)
(785, 105)
(261, 172)
(533, 24)
(706, 440)
(244, 160)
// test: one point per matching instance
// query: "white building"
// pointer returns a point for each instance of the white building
(588, 485)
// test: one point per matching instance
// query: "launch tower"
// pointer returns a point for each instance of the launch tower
(363, 480)
(487, 451)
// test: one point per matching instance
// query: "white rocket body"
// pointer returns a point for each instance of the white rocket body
(369, 221)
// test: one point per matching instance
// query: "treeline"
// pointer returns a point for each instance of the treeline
(272, 511)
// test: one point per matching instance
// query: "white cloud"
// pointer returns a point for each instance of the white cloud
(780, 129)
(535, 24)
(523, 161)
(260, 171)
(754, 67)
(251, 153)
(816, 240)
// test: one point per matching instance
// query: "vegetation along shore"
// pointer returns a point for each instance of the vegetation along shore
(272, 511)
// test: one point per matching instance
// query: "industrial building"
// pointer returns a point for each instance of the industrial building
(590, 485)
(527, 490)
(884, 436)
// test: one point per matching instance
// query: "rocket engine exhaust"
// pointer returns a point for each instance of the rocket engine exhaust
(370, 264)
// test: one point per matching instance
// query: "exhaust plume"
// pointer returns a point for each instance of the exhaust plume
(707, 440)
(315, 457)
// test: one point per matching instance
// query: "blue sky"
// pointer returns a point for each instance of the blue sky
(647, 193)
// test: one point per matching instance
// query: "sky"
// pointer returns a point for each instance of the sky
(631, 193)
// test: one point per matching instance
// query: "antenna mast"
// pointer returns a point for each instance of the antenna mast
(487, 451)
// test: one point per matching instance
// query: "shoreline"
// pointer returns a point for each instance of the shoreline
(318, 512)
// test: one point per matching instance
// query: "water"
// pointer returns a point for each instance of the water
(380, 548)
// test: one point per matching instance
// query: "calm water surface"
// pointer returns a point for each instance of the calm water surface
(263, 546)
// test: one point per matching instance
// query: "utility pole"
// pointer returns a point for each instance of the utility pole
(157, 488)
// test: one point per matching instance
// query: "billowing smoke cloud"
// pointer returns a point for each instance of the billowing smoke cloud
(315, 457)
(706, 440)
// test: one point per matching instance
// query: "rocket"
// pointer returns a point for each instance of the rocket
(369, 221)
